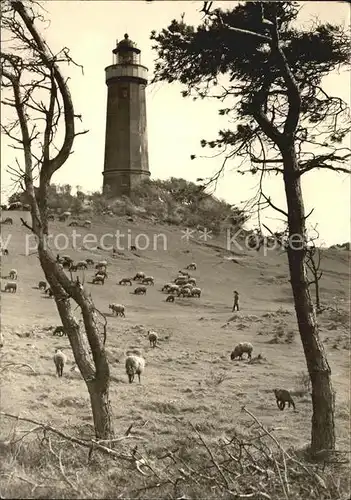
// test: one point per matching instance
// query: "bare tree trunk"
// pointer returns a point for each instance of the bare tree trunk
(88, 344)
(101, 408)
(91, 361)
(318, 302)
(323, 401)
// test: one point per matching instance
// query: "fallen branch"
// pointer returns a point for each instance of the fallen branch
(62, 471)
(215, 463)
(277, 442)
(85, 443)
(4, 367)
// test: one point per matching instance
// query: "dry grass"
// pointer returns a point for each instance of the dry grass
(188, 378)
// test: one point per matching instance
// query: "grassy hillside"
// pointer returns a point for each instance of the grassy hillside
(188, 379)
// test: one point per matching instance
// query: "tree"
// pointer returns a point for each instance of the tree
(35, 90)
(269, 74)
(313, 263)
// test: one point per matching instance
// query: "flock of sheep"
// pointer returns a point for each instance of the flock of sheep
(184, 285)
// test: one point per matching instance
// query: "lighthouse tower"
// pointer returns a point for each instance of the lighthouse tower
(126, 149)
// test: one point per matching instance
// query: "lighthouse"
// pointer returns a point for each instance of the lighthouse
(126, 149)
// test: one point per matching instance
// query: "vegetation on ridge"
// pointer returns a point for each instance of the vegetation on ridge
(173, 201)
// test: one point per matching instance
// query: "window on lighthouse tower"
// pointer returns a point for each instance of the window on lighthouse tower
(126, 58)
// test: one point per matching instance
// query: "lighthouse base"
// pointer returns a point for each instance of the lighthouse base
(121, 183)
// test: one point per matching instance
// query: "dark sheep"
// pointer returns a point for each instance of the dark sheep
(59, 331)
(42, 285)
(125, 281)
(282, 397)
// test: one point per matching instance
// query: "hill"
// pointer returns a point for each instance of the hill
(190, 377)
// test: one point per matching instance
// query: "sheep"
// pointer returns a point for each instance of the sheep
(188, 286)
(60, 360)
(8, 220)
(134, 365)
(185, 292)
(283, 396)
(191, 266)
(125, 281)
(139, 276)
(42, 285)
(153, 337)
(101, 266)
(170, 298)
(181, 281)
(87, 223)
(196, 292)
(117, 309)
(73, 223)
(192, 281)
(140, 290)
(66, 258)
(64, 216)
(173, 289)
(148, 280)
(90, 262)
(82, 264)
(184, 273)
(240, 349)
(13, 274)
(59, 331)
(66, 261)
(11, 287)
(166, 287)
(98, 279)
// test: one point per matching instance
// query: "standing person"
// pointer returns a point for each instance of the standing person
(236, 301)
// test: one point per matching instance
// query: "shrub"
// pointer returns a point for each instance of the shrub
(175, 201)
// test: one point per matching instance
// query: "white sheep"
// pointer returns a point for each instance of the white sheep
(60, 359)
(13, 274)
(196, 292)
(134, 365)
(153, 337)
(139, 276)
(117, 309)
(240, 349)
(101, 265)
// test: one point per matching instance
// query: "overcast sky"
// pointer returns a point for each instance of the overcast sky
(175, 124)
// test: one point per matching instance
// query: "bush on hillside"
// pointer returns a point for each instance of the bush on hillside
(172, 201)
